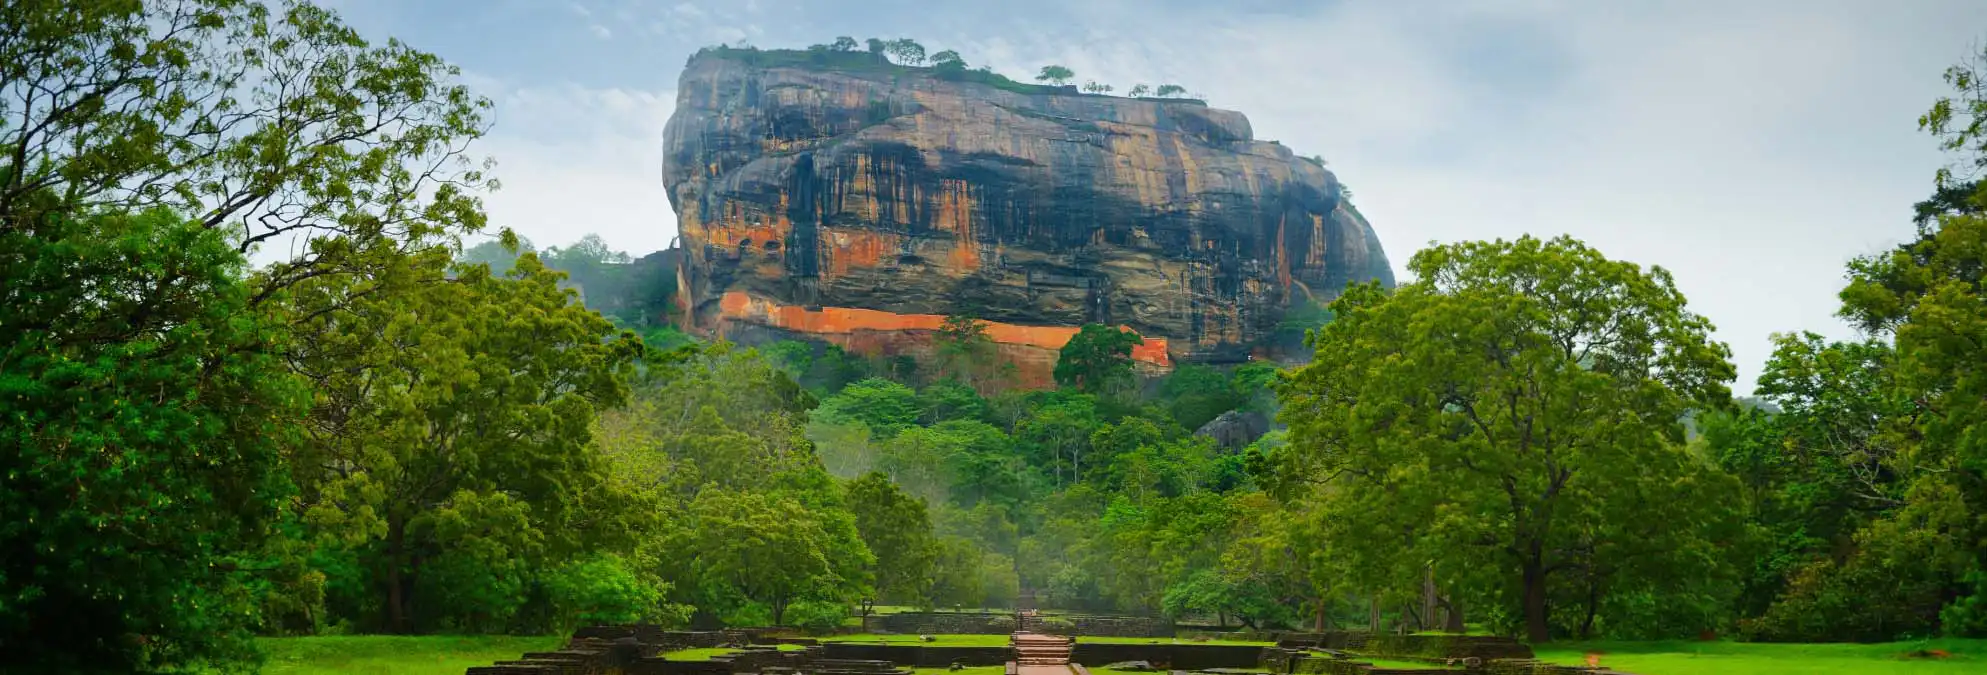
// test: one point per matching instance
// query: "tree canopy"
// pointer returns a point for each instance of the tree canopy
(1507, 411)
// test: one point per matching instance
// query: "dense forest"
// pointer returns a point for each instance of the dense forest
(402, 418)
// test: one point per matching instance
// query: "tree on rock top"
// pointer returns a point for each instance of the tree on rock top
(1096, 357)
(1057, 75)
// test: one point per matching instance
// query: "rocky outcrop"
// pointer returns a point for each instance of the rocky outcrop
(1235, 429)
(843, 198)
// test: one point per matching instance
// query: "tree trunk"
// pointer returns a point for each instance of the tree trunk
(1453, 623)
(1536, 629)
(396, 597)
(1375, 615)
(1320, 625)
(1593, 606)
(1428, 598)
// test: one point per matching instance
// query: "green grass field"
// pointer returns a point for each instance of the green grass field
(393, 654)
(1740, 658)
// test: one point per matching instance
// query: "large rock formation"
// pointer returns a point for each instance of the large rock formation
(859, 202)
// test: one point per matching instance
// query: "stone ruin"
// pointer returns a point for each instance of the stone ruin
(1343, 653)
(639, 650)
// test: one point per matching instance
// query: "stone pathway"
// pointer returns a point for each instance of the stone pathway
(1038, 654)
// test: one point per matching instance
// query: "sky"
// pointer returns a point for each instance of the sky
(1750, 148)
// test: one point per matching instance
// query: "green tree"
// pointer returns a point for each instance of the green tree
(267, 125)
(257, 127)
(1927, 297)
(985, 467)
(603, 589)
(1517, 413)
(770, 548)
(142, 410)
(845, 44)
(948, 61)
(967, 354)
(500, 253)
(957, 574)
(907, 51)
(1096, 88)
(876, 46)
(1056, 75)
(921, 460)
(1059, 430)
(948, 400)
(897, 531)
(1096, 358)
(884, 406)
(1195, 394)
(1140, 90)
(1169, 90)
(489, 395)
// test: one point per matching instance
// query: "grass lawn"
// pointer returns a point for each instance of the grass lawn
(906, 639)
(700, 654)
(395, 654)
(705, 653)
(1742, 658)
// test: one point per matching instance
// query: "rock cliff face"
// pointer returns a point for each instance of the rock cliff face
(859, 202)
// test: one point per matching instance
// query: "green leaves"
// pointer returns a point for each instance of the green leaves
(896, 528)
(1096, 358)
(437, 394)
(1503, 416)
(263, 125)
(142, 409)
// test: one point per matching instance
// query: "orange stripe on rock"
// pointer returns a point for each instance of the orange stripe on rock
(742, 306)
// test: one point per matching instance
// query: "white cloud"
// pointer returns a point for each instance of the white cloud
(575, 160)
(1749, 148)
(600, 31)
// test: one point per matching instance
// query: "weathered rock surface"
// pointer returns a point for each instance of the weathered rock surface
(862, 202)
(1235, 429)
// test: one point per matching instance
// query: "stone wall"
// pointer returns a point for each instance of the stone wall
(1446, 646)
(1529, 667)
(665, 640)
(942, 623)
(1207, 633)
(1169, 656)
(638, 649)
(920, 656)
(1424, 646)
(1120, 626)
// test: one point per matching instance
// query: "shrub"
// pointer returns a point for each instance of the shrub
(749, 614)
(816, 616)
(602, 589)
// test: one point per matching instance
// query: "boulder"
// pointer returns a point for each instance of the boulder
(1235, 429)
